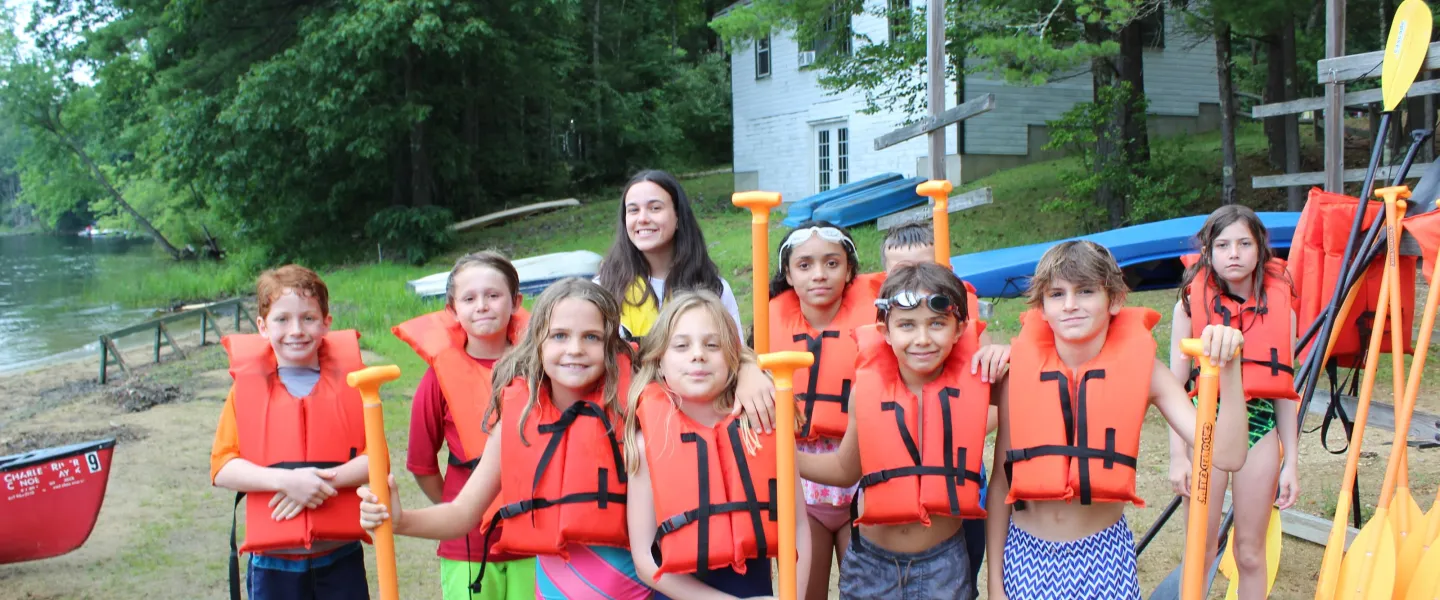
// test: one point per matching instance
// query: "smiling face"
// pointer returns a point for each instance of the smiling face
(1235, 253)
(921, 339)
(818, 269)
(573, 352)
(482, 302)
(295, 326)
(694, 365)
(1077, 312)
(649, 216)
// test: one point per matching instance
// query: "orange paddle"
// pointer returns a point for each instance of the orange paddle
(783, 365)
(368, 382)
(1208, 384)
(939, 192)
(760, 204)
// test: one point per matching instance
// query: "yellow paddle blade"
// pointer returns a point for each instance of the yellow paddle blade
(1413, 517)
(1413, 549)
(1368, 571)
(1426, 584)
(1405, 50)
(1274, 537)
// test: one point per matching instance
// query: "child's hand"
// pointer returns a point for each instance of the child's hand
(373, 513)
(1221, 344)
(992, 362)
(1289, 488)
(286, 508)
(1180, 476)
(755, 396)
(306, 487)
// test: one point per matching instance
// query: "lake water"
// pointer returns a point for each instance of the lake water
(44, 308)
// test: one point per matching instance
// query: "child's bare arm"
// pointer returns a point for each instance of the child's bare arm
(997, 520)
(755, 393)
(840, 468)
(1222, 345)
(432, 485)
(447, 520)
(1180, 368)
(354, 473)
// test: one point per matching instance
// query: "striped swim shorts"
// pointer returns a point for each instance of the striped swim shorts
(1099, 567)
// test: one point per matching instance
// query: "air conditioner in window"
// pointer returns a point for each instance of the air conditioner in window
(807, 58)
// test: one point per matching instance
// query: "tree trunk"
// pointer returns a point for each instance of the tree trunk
(1295, 200)
(1130, 68)
(1228, 190)
(420, 180)
(1275, 92)
(119, 199)
(599, 124)
(1109, 144)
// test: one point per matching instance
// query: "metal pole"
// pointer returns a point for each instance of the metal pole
(1335, 103)
(935, 64)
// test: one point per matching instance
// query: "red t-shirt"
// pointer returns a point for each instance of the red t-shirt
(430, 424)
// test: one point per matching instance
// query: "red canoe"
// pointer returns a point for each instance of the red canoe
(49, 499)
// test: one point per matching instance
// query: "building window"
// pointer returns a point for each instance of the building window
(899, 18)
(833, 39)
(832, 157)
(822, 143)
(762, 57)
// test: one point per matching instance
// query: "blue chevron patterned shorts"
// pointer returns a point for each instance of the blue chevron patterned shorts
(1099, 567)
(870, 572)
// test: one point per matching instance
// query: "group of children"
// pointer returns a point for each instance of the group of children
(618, 440)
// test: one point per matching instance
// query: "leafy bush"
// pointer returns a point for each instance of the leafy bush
(412, 234)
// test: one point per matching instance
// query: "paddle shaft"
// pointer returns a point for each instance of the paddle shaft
(760, 204)
(1196, 526)
(1335, 544)
(783, 365)
(367, 381)
(938, 190)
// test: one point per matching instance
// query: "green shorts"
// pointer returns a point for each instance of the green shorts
(507, 580)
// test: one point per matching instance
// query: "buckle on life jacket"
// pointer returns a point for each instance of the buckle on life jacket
(954, 468)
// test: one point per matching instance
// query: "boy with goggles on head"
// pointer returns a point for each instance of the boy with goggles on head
(914, 441)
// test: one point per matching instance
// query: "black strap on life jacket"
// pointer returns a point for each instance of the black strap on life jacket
(953, 469)
(455, 461)
(700, 515)
(816, 345)
(602, 497)
(235, 516)
(1077, 436)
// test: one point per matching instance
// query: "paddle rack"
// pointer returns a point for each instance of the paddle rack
(209, 322)
(1335, 73)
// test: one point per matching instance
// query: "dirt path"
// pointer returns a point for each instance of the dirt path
(163, 532)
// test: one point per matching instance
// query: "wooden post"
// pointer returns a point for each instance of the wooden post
(935, 64)
(1334, 94)
(104, 359)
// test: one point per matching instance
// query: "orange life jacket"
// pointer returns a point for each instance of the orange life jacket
(565, 481)
(920, 457)
(736, 520)
(324, 429)
(1425, 228)
(822, 391)
(1315, 253)
(438, 338)
(1077, 433)
(1268, 359)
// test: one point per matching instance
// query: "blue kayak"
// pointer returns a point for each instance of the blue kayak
(1149, 254)
(801, 211)
(872, 204)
